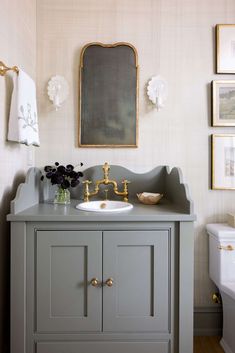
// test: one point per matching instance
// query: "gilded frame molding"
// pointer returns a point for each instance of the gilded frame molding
(80, 144)
(219, 53)
(216, 121)
(214, 185)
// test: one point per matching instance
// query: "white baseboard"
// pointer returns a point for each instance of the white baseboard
(208, 321)
(225, 346)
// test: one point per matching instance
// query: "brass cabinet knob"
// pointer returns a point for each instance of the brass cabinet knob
(109, 282)
(95, 282)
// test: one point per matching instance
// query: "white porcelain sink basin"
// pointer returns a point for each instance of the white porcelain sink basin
(105, 206)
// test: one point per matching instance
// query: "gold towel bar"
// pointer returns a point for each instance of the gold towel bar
(4, 68)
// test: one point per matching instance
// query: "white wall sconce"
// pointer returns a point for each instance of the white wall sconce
(157, 91)
(58, 90)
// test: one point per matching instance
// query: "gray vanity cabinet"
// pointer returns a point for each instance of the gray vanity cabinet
(142, 259)
(136, 261)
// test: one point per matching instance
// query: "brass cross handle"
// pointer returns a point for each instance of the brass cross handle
(125, 184)
(87, 182)
(109, 282)
(95, 282)
(126, 181)
(86, 190)
(125, 189)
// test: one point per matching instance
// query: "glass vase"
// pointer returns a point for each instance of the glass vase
(62, 196)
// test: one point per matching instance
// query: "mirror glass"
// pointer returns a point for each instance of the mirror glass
(108, 95)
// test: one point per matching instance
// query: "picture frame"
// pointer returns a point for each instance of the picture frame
(223, 161)
(225, 48)
(223, 103)
(108, 96)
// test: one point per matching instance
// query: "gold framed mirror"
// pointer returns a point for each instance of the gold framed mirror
(108, 95)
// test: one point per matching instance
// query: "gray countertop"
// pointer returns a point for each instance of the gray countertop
(49, 212)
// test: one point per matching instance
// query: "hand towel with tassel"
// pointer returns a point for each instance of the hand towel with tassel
(23, 121)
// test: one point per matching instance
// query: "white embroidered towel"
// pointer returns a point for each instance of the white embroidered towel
(23, 120)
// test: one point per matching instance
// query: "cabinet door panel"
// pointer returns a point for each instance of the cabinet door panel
(139, 299)
(66, 263)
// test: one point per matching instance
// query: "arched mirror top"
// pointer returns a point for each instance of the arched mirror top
(114, 45)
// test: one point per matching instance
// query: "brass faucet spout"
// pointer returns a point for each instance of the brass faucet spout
(105, 181)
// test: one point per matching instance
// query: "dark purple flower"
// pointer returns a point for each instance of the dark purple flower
(61, 175)
(73, 174)
(61, 169)
(70, 167)
(49, 175)
(65, 184)
(47, 168)
(60, 179)
(78, 175)
(54, 179)
(74, 182)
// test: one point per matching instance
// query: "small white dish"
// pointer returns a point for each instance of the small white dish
(149, 198)
(105, 206)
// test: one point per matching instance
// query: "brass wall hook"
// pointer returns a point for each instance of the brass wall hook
(4, 69)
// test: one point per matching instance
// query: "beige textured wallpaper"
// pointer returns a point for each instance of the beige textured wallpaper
(17, 47)
(174, 38)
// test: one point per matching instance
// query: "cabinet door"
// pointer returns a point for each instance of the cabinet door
(138, 263)
(66, 262)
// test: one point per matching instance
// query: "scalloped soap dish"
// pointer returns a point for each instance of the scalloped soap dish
(149, 198)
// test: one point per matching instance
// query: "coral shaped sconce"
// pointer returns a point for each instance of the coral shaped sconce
(58, 90)
(157, 91)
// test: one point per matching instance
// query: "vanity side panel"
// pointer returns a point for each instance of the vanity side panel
(28, 193)
(18, 287)
(186, 269)
(177, 191)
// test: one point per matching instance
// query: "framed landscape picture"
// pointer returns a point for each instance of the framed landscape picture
(223, 103)
(225, 47)
(223, 162)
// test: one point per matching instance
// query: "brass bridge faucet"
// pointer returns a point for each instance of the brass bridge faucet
(105, 181)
